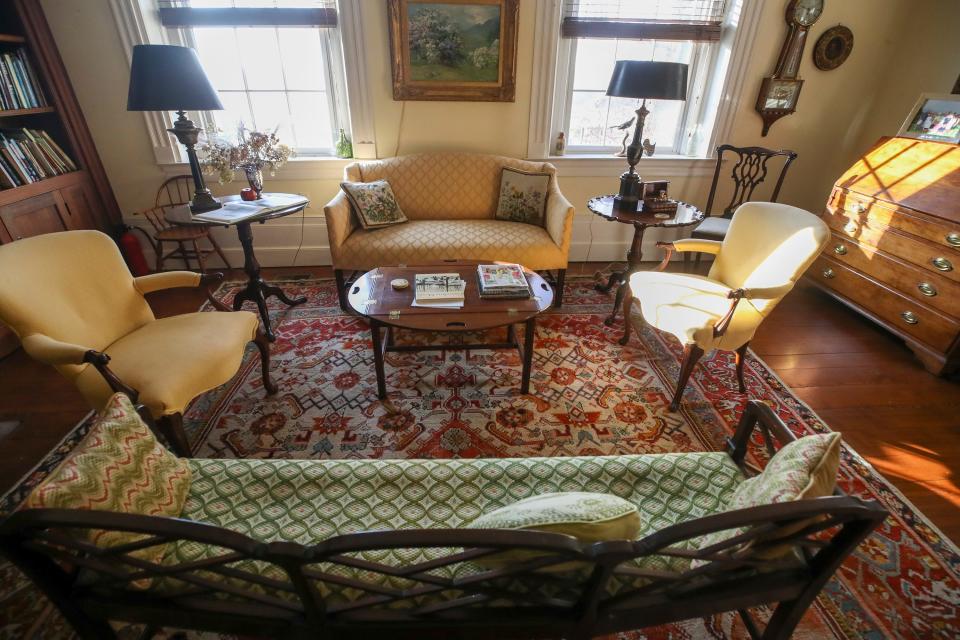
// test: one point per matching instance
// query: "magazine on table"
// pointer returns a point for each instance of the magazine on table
(503, 281)
(236, 210)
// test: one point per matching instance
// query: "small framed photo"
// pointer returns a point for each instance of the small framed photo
(934, 117)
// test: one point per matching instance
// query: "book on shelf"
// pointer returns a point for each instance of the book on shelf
(30, 155)
(502, 281)
(19, 87)
(438, 288)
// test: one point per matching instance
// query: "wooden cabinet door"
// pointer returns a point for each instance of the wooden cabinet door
(80, 207)
(30, 217)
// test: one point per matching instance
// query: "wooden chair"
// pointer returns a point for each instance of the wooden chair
(748, 172)
(767, 249)
(174, 192)
(71, 300)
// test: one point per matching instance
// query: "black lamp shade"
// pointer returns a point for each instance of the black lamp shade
(169, 78)
(649, 80)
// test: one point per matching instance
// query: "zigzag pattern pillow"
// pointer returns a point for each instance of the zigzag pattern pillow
(118, 466)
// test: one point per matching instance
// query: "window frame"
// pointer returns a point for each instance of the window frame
(138, 22)
(335, 83)
(708, 114)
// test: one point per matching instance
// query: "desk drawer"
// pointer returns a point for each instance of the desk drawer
(929, 288)
(926, 255)
(860, 210)
(906, 314)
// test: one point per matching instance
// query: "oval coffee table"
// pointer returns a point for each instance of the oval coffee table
(372, 297)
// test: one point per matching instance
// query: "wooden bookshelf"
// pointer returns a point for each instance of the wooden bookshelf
(80, 199)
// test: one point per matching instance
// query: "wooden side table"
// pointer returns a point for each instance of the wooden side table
(255, 290)
(685, 216)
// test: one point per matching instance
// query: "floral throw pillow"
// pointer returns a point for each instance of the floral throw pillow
(523, 196)
(118, 466)
(805, 468)
(374, 203)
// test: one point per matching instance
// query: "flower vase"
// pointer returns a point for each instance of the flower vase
(255, 178)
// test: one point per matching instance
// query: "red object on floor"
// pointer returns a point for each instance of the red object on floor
(133, 253)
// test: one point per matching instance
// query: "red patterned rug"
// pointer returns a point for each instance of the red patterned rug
(590, 396)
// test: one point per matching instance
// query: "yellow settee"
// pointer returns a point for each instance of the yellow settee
(449, 200)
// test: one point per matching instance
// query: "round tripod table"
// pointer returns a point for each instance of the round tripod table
(685, 216)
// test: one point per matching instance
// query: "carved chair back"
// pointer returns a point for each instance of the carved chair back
(749, 171)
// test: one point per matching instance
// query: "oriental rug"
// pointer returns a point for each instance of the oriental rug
(589, 396)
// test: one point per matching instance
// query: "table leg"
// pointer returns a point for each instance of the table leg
(530, 328)
(256, 290)
(634, 257)
(378, 359)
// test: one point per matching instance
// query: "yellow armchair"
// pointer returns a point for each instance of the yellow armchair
(71, 300)
(765, 251)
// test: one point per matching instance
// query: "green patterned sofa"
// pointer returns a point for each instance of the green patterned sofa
(289, 548)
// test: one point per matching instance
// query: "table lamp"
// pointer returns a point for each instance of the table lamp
(643, 80)
(169, 78)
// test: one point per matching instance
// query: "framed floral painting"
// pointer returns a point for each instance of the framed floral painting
(454, 49)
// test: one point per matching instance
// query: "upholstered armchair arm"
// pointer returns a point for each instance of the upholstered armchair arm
(767, 293)
(340, 223)
(698, 245)
(166, 280)
(51, 351)
(559, 219)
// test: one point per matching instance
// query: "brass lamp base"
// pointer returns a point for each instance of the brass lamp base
(187, 134)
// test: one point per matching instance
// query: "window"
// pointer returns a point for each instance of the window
(277, 64)
(597, 33)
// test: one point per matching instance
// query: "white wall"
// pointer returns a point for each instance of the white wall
(898, 54)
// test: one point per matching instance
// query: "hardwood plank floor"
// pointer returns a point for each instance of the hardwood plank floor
(861, 380)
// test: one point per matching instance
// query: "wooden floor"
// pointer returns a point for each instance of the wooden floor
(861, 380)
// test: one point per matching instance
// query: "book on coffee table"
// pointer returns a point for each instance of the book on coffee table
(502, 281)
(437, 288)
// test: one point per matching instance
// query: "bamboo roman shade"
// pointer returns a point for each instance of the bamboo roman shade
(698, 20)
(268, 13)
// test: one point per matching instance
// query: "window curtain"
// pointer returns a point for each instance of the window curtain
(697, 20)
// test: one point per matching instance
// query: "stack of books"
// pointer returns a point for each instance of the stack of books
(444, 290)
(30, 155)
(502, 281)
(19, 88)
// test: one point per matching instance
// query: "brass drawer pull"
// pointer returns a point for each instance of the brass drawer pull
(942, 264)
(850, 228)
(953, 239)
(841, 250)
(828, 273)
(927, 289)
(910, 317)
(858, 207)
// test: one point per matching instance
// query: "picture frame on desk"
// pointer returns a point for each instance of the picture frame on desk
(934, 117)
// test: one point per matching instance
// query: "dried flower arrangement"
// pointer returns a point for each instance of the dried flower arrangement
(253, 152)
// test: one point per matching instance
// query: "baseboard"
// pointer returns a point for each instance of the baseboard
(302, 241)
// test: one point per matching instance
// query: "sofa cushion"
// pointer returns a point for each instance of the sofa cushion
(309, 501)
(373, 203)
(118, 466)
(523, 196)
(803, 469)
(432, 241)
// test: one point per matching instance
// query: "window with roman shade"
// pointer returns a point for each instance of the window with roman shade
(276, 64)
(594, 34)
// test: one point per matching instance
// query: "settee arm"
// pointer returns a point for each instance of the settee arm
(340, 223)
(559, 218)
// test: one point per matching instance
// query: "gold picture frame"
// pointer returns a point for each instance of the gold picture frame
(461, 49)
